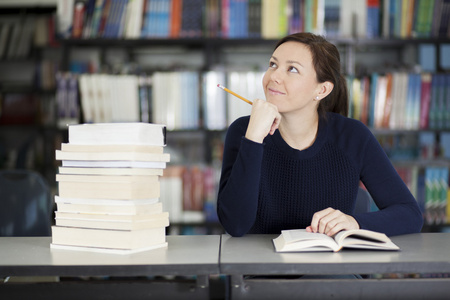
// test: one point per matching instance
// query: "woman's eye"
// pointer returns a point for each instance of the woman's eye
(293, 70)
(272, 64)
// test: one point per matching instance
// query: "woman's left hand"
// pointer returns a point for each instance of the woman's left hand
(330, 221)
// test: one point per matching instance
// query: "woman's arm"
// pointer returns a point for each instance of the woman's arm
(398, 212)
(237, 203)
(239, 182)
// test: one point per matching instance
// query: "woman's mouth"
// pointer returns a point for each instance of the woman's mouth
(275, 92)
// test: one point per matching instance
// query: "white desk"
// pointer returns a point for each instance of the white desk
(203, 256)
(196, 256)
(255, 255)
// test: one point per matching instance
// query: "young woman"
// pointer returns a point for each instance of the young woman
(297, 160)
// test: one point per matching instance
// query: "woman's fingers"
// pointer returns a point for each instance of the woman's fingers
(330, 221)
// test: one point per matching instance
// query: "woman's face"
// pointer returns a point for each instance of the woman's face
(290, 81)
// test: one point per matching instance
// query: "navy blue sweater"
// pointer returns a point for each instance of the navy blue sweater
(269, 187)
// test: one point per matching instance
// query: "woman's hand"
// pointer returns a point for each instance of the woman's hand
(330, 221)
(264, 120)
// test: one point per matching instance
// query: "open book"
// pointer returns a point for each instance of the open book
(299, 240)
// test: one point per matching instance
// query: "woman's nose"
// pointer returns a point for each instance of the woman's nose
(276, 76)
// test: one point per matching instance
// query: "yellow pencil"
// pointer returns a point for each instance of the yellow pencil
(234, 94)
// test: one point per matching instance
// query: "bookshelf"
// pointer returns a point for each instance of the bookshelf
(234, 55)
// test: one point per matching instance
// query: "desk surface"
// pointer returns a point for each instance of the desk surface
(185, 255)
(255, 254)
(199, 255)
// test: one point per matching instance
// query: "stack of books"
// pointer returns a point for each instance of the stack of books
(109, 190)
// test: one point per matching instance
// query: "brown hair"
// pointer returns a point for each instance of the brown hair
(327, 64)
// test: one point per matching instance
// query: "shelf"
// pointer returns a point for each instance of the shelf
(221, 42)
(422, 163)
(387, 131)
(28, 3)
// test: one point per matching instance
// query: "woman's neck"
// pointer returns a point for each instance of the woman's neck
(299, 132)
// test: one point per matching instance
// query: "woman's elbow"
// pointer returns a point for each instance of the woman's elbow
(418, 221)
(236, 233)
(233, 227)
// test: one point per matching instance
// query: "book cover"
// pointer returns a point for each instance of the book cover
(175, 18)
(109, 190)
(78, 19)
(131, 207)
(424, 17)
(101, 238)
(353, 19)
(388, 104)
(425, 100)
(331, 18)
(114, 164)
(96, 18)
(118, 134)
(112, 156)
(111, 171)
(151, 180)
(373, 18)
(191, 19)
(134, 20)
(64, 16)
(108, 10)
(89, 13)
(111, 148)
(380, 101)
(112, 222)
(254, 18)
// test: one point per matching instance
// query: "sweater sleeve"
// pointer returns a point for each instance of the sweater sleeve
(398, 212)
(237, 200)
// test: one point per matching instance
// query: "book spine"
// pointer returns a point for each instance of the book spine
(78, 19)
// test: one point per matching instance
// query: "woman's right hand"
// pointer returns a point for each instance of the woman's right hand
(264, 120)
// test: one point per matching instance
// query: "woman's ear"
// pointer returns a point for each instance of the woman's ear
(325, 88)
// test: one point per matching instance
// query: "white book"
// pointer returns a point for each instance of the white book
(107, 250)
(299, 240)
(112, 156)
(87, 98)
(118, 133)
(113, 222)
(109, 206)
(112, 239)
(107, 178)
(133, 20)
(214, 101)
(353, 19)
(110, 171)
(114, 164)
(111, 148)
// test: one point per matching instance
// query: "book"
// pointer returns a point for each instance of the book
(111, 148)
(103, 238)
(112, 156)
(113, 222)
(104, 187)
(108, 250)
(106, 179)
(114, 164)
(118, 134)
(111, 217)
(299, 240)
(109, 206)
(110, 171)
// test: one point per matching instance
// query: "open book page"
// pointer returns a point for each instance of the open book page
(301, 240)
(298, 240)
(364, 239)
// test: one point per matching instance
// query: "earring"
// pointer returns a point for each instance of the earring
(317, 97)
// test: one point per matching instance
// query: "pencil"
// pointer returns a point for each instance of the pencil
(234, 94)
